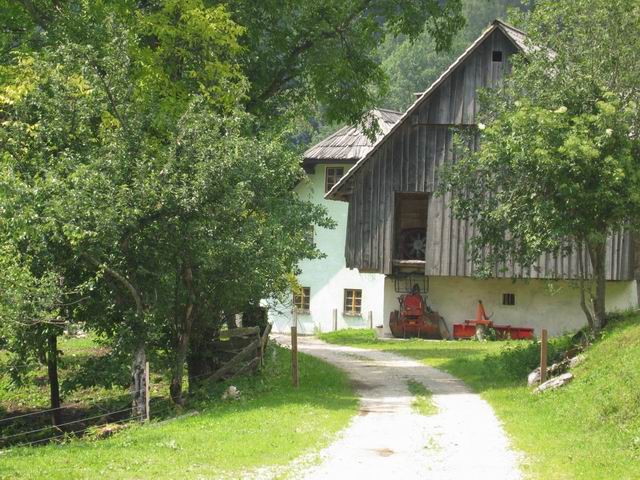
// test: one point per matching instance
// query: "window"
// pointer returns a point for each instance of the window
(352, 301)
(301, 299)
(508, 299)
(497, 56)
(333, 175)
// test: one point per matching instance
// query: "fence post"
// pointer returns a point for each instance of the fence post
(294, 349)
(147, 412)
(543, 356)
(335, 319)
(370, 319)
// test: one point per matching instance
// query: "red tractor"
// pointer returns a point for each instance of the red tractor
(416, 319)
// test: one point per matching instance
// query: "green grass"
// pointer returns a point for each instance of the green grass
(269, 426)
(589, 429)
(422, 402)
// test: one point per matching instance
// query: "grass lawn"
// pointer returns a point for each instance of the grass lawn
(269, 426)
(590, 429)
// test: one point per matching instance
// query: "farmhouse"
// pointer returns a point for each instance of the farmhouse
(327, 284)
(397, 227)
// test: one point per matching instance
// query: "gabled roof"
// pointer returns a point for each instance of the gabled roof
(350, 143)
(518, 37)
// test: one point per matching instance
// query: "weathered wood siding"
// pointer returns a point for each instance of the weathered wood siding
(408, 160)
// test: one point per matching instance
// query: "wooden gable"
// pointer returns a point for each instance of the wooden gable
(407, 159)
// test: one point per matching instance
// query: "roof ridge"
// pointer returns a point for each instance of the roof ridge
(508, 25)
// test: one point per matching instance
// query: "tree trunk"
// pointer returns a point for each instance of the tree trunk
(175, 389)
(597, 254)
(584, 281)
(138, 383)
(182, 343)
(52, 372)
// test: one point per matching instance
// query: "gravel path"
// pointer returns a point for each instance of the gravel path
(388, 440)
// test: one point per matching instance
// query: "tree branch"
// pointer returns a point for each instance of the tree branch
(288, 72)
(120, 278)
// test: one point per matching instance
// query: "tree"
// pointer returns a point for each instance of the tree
(301, 53)
(151, 199)
(557, 166)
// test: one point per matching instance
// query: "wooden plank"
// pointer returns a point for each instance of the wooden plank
(469, 90)
(421, 145)
(239, 332)
(430, 160)
(388, 216)
(543, 356)
(412, 153)
(458, 99)
(366, 217)
(434, 107)
(375, 208)
(245, 354)
(444, 104)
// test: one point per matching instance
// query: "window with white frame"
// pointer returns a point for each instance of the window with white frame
(352, 301)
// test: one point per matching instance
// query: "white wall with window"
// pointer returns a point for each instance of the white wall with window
(326, 283)
(550, 304)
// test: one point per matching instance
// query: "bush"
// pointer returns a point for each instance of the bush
(519, 358)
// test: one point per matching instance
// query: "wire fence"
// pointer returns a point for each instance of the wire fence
(16, 439)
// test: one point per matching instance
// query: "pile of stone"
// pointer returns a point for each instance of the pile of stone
(557, 373)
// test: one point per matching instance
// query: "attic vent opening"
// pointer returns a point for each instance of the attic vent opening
(497, 56)
(508, 299)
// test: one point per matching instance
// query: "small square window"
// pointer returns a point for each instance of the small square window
(332, 176)
(508, 299)
(302, 298)
(497, 56)
(352, 301)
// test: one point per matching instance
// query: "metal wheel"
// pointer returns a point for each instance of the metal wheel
(414, 244)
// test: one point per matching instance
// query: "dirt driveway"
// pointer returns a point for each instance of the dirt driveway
(464, 440)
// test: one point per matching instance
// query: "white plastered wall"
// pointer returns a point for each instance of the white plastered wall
(328, 277)
(553, 305)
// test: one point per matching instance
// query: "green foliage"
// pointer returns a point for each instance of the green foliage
(553, 176)
(130, 177)
(307, 52)
(422, 402)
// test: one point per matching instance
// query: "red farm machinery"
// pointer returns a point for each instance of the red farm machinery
(416, 319)
(481, 325)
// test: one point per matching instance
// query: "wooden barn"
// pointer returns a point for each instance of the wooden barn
(397, 226)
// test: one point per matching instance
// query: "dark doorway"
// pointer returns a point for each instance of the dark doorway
(411, 226)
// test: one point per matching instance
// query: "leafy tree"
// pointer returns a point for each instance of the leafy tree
(156, 211)
(301, 53)
(557, 167)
